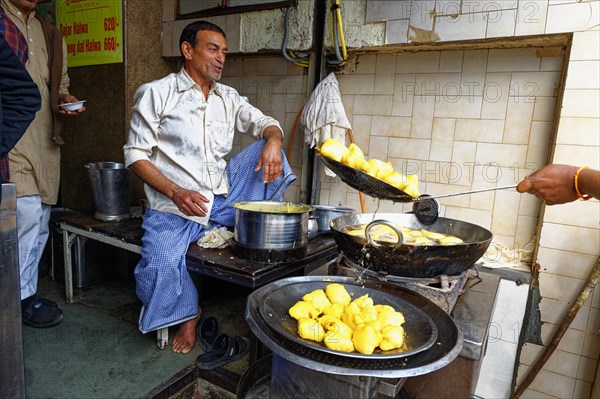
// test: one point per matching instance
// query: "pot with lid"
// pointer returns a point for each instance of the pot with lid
(271, 225)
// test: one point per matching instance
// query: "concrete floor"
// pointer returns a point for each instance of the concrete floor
(98, 351)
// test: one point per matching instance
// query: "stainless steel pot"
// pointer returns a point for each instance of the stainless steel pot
(271, 224)
(412, 260)
(325, 213)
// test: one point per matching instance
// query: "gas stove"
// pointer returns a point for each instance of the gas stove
(299, 371)
(442, 290)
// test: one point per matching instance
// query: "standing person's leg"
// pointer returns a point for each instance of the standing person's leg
(163, 283)
(32, 231)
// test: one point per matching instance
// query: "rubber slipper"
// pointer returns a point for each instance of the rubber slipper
(207, 332)
(36, 297)
(225, 350)
(40, 313)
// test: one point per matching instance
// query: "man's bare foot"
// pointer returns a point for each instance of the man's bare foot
(184, 340)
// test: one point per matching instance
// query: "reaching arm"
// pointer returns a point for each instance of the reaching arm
(189, 202)
(589, 182)
(555, 184)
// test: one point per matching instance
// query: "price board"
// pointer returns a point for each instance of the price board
(92, 29)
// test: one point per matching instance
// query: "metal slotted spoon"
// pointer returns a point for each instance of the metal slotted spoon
(427, 208)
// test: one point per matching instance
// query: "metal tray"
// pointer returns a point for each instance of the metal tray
(366, 183)
(420, 330)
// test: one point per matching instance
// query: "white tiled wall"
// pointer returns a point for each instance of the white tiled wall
(460, 120)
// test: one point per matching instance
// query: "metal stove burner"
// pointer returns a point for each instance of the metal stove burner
(443, 290)
(268, 255)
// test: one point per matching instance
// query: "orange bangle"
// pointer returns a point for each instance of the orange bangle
(583, 197)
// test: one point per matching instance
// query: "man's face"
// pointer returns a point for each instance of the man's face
(204, 63)
(26, 6)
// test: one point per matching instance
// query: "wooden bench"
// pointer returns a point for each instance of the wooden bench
(218, 263)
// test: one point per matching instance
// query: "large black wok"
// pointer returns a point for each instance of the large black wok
(406, 260)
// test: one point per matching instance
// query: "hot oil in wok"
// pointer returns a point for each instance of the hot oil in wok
(384, 234)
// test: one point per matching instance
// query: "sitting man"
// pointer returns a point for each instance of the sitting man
(182, 127)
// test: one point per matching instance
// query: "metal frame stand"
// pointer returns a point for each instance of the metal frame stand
(70, 233)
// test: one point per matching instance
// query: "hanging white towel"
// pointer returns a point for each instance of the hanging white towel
(324, 115)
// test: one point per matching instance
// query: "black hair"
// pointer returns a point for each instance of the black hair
(190, 32)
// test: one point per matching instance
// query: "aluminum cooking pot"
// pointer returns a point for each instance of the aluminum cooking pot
(271, 224)
(421, 261)
(326, 213)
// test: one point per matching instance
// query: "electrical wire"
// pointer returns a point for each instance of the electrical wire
(337, 35)
(301, 61)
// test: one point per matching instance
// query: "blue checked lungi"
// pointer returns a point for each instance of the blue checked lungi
(163, 283)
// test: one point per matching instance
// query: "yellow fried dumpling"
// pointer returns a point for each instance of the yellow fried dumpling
(356, 232)
(369, 313)
(324, 319)
(310, 329)
(364, 301)
(419, 240)
(318, 299)
(410, 233)
(354, 157)
(450, 240)
(366, 338)
(352, 315)
(336, 325)
(335, 309)
(363, 166)
(396, 179)
(337, 294)
(383, 233)
(332, 148)
(380, 169)
(303, 309)
(412, 186)
(392, 337)
(383, 308)
(390, 317)
(432, 235)
(338, 342)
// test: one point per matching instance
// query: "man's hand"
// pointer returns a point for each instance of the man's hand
(190, 202)
(552, 184)
(270, 159)
(68, 98)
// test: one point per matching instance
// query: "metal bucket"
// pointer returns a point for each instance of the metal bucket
(111, 187)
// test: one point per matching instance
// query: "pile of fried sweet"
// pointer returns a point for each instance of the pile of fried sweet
(384, 233)
(332, 317)
(353, 157)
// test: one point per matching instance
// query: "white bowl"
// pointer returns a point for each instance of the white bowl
(72, 106)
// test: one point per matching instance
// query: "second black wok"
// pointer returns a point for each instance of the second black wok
(421, 261)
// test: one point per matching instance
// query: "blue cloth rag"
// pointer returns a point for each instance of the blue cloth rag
(247, 185)
(163, 283)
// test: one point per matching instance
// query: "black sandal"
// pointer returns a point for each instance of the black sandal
(207, 332)
(40, 313)
(226, 350)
